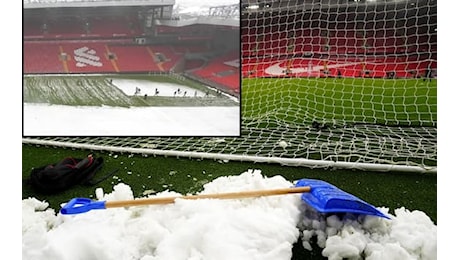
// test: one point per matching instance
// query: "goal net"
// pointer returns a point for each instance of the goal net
(325, 84)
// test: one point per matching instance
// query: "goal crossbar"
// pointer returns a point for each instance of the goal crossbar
(299, 162)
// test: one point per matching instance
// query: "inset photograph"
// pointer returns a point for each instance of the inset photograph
(143, 69)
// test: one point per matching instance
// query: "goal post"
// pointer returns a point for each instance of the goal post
(325, 84)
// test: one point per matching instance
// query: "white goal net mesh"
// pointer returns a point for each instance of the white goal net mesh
(338, 84)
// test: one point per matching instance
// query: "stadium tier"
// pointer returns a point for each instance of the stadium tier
(224, 70)
(42, 58)
(75, 27)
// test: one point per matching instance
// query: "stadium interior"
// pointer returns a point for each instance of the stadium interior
(76, 37)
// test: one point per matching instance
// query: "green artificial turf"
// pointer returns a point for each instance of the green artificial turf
(353, 100)
(392, 190)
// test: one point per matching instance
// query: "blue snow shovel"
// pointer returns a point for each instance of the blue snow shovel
(320, 195)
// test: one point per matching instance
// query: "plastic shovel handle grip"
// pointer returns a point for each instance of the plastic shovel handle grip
(81, 205)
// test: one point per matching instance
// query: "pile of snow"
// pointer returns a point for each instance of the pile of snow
(252, 228)
(40, 119)
(408, 235)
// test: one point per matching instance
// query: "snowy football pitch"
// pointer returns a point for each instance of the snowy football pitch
(132, 106)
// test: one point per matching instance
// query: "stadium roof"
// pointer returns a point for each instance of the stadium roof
(93, 3)
(211, 20)
(256, 6)
(187, 12)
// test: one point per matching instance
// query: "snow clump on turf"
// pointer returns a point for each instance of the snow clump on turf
(406, 236)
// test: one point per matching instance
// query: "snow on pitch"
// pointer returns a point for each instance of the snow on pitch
(43, 119)
(128, 86)
(255, 228)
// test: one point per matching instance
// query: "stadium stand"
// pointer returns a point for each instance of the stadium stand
(222, 70)
(43, 58)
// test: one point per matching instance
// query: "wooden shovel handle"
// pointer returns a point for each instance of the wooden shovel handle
(230, 195)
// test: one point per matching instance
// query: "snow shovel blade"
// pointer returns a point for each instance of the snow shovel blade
(326, 198)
